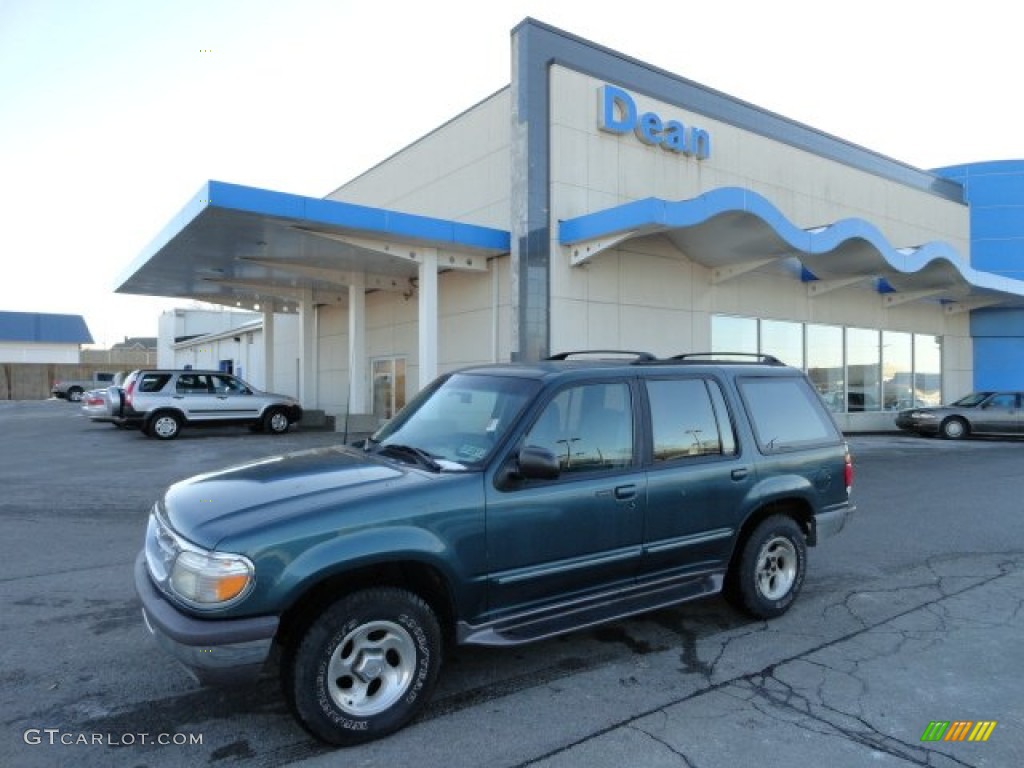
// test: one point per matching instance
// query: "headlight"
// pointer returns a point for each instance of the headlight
(922, 415)
(195, 576)
(210, 579)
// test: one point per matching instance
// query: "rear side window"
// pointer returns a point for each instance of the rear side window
(786, 413)
(688, 418)
(153, 382)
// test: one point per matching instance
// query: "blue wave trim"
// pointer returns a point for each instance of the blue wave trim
(652, 215)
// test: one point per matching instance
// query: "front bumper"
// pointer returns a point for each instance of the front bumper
(212, 650)
(920, 426)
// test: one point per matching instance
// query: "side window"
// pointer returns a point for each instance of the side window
(224, 385)
(688, 418)
(1003, 402)
(588, 428)
(193, 384)
(153, 382)
(786, 413)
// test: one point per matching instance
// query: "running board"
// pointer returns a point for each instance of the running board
(588, 612)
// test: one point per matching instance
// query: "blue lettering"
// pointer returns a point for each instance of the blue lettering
(617, 113)
(700, 143)
(675, 137)
(616, 110)
(648, 128)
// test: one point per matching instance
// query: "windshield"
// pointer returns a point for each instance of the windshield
(459, 420)
(971, 400)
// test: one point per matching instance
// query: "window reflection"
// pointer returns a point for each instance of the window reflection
(897, 370)
(863, 370)
(927, 369)
(733, 334)
(783, 340)
(825, 364)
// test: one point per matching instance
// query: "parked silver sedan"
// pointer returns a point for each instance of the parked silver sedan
(979, 413)
(102, 405)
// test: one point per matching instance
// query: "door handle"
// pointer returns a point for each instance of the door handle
(624, 492)
(740, 474)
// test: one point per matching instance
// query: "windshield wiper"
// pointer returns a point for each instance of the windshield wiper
(418, 455)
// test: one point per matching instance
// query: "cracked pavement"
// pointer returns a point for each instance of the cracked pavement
(912, 614)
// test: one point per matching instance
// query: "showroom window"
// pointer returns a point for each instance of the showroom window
(783, 340)
(927, 369)
(863, 370)
(897, 370)
(853, 369)
(733, 334)
(825, 364)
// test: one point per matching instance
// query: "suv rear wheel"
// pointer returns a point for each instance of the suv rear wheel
(770, 570)
(365, 667)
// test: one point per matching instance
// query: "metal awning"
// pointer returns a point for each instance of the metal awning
(733, 230)
(244, 246)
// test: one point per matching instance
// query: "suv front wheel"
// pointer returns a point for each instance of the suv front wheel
(770, 570)
(275, 421)
(365, 667)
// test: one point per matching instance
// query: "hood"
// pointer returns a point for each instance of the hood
(235, 501)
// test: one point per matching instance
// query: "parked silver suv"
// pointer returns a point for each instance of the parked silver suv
(161, 402)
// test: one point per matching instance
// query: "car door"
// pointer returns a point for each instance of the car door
(550, 541)
(999, 414)
(696, 481)
(235, 401)
(193, 393)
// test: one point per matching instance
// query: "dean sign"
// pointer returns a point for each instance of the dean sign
(617, 113)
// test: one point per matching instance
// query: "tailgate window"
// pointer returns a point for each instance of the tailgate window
(786, 413)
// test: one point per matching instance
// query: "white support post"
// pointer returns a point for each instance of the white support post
(268, 384)
(357, 345)
(307, 351)
(428, 305)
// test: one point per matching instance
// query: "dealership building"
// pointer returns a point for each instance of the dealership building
(598, 202)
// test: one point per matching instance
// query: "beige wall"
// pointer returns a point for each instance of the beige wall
(461, 171)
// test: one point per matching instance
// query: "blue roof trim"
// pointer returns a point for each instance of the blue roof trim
(42, 328)
(378, 221)
(652, 215)
(313, 212)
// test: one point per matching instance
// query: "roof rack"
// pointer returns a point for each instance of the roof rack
(638, 357)
(727, 357)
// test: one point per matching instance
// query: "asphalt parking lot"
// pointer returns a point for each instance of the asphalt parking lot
(913, 614)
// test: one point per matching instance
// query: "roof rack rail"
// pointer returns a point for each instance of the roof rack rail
(728, 357)
(638, 357)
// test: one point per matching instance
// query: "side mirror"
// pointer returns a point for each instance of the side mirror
(536, 463)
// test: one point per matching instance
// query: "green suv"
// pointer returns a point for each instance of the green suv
(504, 504)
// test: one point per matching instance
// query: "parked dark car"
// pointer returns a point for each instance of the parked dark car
(504, 504)
(979, 413)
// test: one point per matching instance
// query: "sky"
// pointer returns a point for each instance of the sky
(113, 113)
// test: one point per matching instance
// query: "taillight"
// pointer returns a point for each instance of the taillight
(130, 388)
(848, 472)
